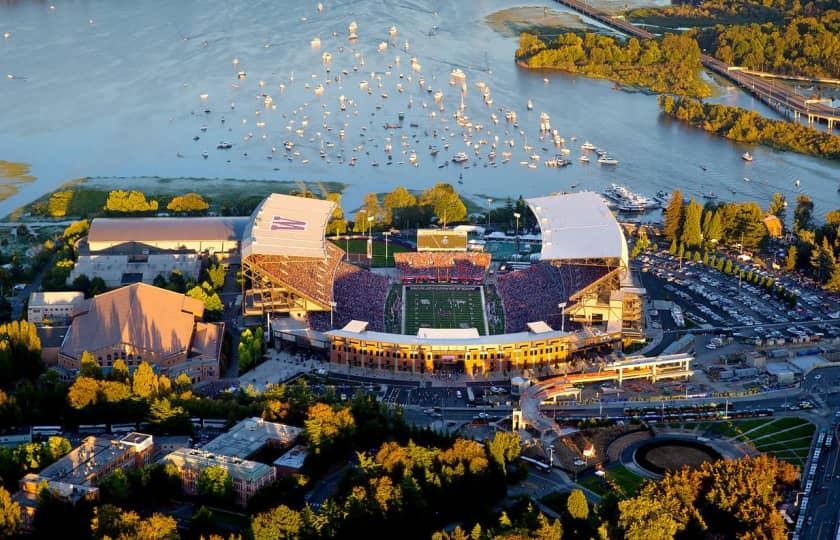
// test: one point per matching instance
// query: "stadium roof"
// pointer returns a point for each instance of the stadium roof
(148, 318)
(288, 226)
(153, 229)
(578, 226)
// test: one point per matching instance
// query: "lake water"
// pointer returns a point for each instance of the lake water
(115, 89)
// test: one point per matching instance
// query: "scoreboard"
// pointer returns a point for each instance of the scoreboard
(441, 240)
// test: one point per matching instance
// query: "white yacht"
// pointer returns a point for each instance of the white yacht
(460, 157)
(607, 160)
(588, 146)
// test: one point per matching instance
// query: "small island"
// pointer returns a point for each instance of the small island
(670, 65)
(746, 126)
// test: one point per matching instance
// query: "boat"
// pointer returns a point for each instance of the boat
(746, 156)
(627, 201)
(796, 182)
(588, 146)
(711, 195)
(607, 160)
(530, 105)
(224, 146)
(584, 159)
(460, 157)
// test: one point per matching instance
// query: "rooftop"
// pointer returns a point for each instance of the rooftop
(156, 229)
(148, 318)
(293, 459)
(94, 454)
(237, 468)
(288, 226)
(578, 226)
(250, 435)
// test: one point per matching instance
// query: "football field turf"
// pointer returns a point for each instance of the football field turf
(443, 306)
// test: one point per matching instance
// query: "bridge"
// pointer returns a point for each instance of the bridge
(780, 98)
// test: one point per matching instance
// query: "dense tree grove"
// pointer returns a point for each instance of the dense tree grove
(20, 352)
(750, 127)
(190, 203)
(670, 65)
(720, 499)
(808, 46)
(400, 208)
(129, 202)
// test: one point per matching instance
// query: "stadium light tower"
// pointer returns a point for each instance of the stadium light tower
(562, 306)
(517, 215)
(332, 308)
(386, 234)
(489, 209)
(370, 237)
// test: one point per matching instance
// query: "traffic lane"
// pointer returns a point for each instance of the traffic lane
(821, 514)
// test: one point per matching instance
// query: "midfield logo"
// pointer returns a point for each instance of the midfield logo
(279, 223)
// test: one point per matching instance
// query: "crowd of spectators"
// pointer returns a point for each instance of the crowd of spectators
(442, 267)
(308, 276)
(359, 294)
(534, 293)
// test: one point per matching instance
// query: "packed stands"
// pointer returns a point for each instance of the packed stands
(442, 267)
(533, 294)
(306, 276)
(359, 294)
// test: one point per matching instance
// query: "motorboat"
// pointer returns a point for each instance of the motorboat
(460, 157)
(607, 160)
(588, 146)
(584, 159)
(746, 156)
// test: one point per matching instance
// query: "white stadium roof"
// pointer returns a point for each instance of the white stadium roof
(578, 226)
(287, 225)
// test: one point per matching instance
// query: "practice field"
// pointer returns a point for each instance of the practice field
(443, 306)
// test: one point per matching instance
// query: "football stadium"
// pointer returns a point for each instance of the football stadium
(574, 297)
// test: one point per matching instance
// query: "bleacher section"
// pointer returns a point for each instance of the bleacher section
(533, 294)
(306, 276)
(359, 294)
(442, 267)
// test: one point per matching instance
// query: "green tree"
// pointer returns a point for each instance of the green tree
(119, 371)
(83, 392)
(324, 425)
(445, 202)
(129, 202)
(674, 216)
(9, 515)
(215, 483)
(577, 505)
(504, 448)
(803, 214)
(216, 276)
(400, 197)
(206, 295)
(280, 523)
(778, 206)
(144, 383)
(54, 448)
(691, 234)
(190, 203)
(791, 258)
(89, 367)
(337, 223)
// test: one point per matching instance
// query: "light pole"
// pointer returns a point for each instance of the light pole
(332, 307)
(562, 306)
(517, 215)
(489, 209)
(386, 234)
(370, 238)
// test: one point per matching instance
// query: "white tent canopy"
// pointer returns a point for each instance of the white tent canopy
(578, 226)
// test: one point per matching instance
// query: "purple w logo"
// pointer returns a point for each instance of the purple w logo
(279, 223)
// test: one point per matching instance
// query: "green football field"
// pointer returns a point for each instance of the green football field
(442, 306)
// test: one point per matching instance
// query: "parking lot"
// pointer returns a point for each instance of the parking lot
(713, 299)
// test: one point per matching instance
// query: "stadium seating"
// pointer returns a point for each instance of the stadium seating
(442, 267)
(307, 276)
(359, 294)
(533, 294)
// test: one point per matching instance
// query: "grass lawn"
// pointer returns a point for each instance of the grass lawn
(628, 481)
(358, 246)
(443, 307)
